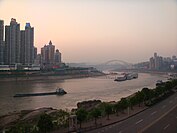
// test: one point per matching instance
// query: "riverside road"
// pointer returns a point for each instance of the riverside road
(160, 118)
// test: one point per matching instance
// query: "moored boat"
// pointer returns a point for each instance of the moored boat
(121, 78)
(160, 83)
(127, 76)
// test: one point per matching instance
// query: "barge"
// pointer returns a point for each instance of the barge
(59, 91)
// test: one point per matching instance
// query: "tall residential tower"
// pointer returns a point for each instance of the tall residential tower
(12, 43)
(57, 57)
(27, 45)
(1, 42)
(47, 55)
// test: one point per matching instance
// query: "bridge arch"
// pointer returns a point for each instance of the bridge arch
(118, 62)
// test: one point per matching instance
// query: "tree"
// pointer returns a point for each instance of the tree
(45, 123)
(123, 104)
(159, 91)
(81, 115)
(95, 113)
(131, 102)
(139, 97)
(61, 118)
(169, 85)
(108, 110)
(146, 94)
(21, 128)
(117, 108)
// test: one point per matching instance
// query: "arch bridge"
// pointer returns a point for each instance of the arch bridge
(114, 64)
(110, 62)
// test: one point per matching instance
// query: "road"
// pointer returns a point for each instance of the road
(168, 124)
(159, 118)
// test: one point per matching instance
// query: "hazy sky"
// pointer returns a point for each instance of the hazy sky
(99, 30)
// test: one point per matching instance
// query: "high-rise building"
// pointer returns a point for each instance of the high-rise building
(37, 60)
(51, 49)
(12, 43)
(151, 63)
(156, 58)
(47, 54)
(155, 55)
(35, 53)
(44, 55)
(27, 45)
(173, 57)
(1, 42)
(22, 46)
(156, 62)
(160, 62)
(57, 57)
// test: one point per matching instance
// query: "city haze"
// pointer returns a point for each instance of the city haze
(99, 30)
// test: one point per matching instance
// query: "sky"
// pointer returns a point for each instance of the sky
(99, 30)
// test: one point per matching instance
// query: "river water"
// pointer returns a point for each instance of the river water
(103, 88)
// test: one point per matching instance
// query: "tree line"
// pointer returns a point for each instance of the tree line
(146, 96)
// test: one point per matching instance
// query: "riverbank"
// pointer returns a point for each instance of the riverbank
(31, 116)
(146, 71)
(12, 118)
(48, 77)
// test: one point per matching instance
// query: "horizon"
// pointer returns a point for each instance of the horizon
(100, 30)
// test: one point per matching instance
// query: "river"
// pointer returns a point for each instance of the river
(103, 88)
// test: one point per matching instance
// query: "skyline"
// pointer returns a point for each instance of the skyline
(100, 30)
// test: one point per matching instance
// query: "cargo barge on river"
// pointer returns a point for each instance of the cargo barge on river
(59, 91)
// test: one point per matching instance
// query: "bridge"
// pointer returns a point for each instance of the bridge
(110, 62)
(113, 65)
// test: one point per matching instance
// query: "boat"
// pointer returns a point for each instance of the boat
(127, 76)
(121, 78)
(131, 76)
(135, 75)
(159, 83)
(59, 91)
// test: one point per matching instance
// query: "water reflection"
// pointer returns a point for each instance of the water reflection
(102, 88)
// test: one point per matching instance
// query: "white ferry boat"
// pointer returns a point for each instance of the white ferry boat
(127, 76)
(121, 78)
